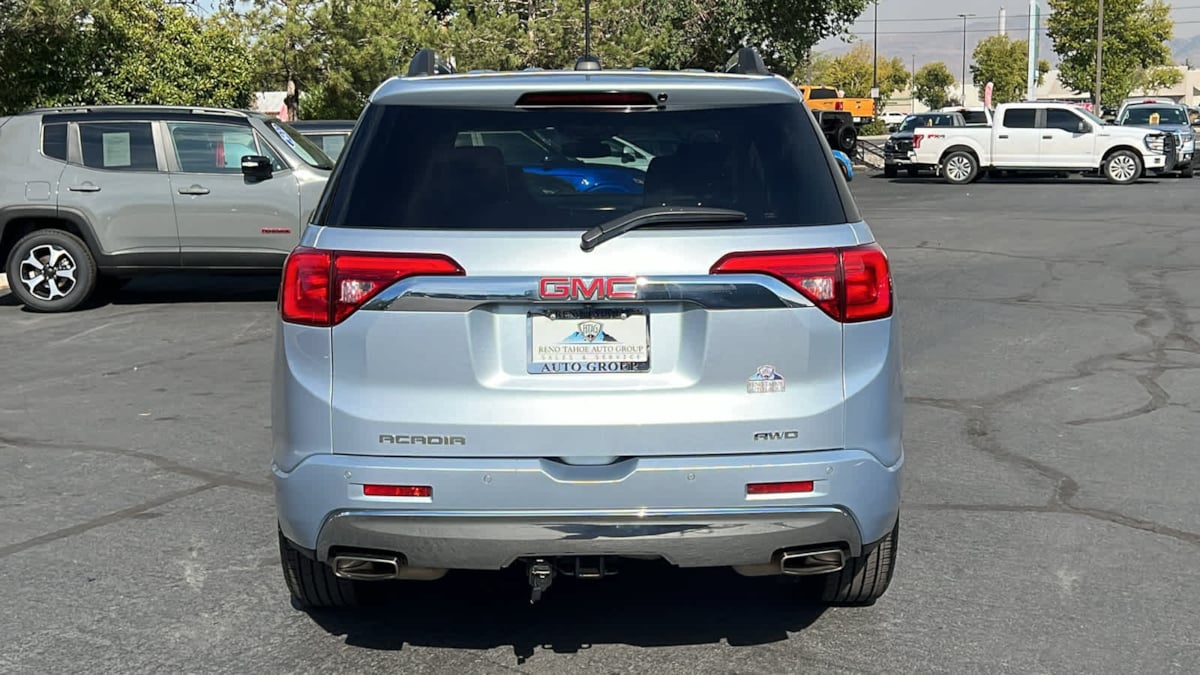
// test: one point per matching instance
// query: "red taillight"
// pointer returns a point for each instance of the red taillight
(849, 284)
(397, 490)
(789, 487)
(839, 105)
(917, 138)
(586, 98)
(322, 288)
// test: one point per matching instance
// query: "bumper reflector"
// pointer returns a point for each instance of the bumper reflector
(397, 491)
(791, 487)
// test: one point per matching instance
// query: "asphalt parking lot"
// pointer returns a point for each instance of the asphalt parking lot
(1051, 519)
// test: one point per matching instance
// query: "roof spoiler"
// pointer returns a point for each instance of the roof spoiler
(427, 62)
(747, 61)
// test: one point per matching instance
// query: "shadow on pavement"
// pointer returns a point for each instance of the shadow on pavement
(647, 604)
(171, 288)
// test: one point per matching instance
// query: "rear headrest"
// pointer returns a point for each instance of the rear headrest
(696, 175)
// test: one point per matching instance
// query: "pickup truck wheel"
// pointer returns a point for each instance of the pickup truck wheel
(864, 579)
(312, 583)
(960, 167)
(1187, 172)
(890, 171)
(847, 138)
(1122, 167)
(51, 271)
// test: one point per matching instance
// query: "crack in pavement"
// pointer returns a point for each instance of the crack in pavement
(101, 521)
(214, 478)
(1157, 303)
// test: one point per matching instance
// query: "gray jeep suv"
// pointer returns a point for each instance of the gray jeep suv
(483, 363)
(92, 196)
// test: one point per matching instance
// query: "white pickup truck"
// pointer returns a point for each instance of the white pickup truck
(1044, 137)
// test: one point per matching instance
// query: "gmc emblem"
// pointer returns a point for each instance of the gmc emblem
(588, 288)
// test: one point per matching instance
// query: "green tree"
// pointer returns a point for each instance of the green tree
(64, 52)
(932, 83)
(1136, 37)
(853, 73)
(1004, 62)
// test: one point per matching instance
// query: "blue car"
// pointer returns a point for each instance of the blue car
(845, 163)
(553, 171)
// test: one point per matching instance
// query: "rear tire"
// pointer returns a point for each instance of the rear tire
(864, 579)
(312, 583)
(960, 168)
(69, 261)
(847, 138)
(1188, 172)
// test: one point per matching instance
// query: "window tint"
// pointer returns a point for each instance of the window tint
(120, 146)
(1062, 119)
(211, 148)
(818, 94)
(552, 169)
(975, 117)
(54, 140)
(1020, 118)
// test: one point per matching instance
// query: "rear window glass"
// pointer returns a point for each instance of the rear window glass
(1020, 118)
(1155, 116)
(468, 168)
(54, 140)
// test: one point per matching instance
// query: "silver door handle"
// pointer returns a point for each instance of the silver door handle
(194, 190)
(86, 187)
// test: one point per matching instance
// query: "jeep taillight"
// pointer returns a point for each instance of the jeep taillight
(322, 288)
(849, 284)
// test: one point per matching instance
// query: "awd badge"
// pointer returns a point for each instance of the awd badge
(765, 380)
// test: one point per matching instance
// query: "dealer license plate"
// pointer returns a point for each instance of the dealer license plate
(589, 341)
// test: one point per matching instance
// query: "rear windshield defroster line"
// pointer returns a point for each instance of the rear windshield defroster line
(419, 167)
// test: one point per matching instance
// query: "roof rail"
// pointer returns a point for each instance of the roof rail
(427, 62)
(747, 61)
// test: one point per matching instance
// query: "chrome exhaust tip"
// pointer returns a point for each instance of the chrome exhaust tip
(361, 567)
(812, 562)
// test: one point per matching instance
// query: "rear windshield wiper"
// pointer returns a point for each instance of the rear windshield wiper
(657, 215)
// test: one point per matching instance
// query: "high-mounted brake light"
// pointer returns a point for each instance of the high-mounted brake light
(322, 288)
(849, 284)
(607, 99)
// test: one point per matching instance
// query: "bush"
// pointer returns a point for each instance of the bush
(873, 128)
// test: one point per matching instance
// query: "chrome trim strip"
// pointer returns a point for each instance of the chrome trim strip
(463, 294)
(588, 513)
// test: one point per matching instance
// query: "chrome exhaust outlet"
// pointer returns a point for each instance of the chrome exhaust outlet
(367, 567)
(812, 562)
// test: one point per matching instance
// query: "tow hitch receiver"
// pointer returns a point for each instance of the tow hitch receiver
(541, 575)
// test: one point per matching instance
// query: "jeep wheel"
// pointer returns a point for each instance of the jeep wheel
(312, 583)
(1122, 167)
(864, 579)
(960, 167)
(51, 271)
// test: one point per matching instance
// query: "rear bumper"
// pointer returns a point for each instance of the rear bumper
(485, 514)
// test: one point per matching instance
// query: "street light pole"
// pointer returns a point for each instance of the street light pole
(1099, 56)
(912, 88)
(964, 17)
(875, 63)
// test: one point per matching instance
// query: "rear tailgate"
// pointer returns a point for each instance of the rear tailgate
(456, 365)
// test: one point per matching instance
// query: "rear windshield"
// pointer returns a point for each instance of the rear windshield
(1155, 116)
(471, 168)
(940, 120)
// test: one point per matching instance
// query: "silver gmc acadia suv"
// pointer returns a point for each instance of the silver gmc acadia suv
(504, 340)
